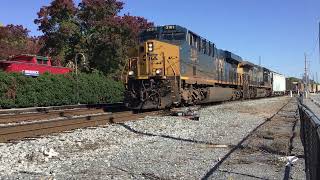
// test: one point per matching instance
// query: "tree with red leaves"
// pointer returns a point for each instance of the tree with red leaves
(14, 39)
(93, 28)
(60, 29)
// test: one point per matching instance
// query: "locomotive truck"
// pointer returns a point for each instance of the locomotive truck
(174, 66)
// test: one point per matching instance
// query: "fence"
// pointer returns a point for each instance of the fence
(310, 137)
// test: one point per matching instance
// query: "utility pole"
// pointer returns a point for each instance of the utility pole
(305, 75)
(319, 41)
(316, 77)
(313, 77)
(77, 79)
(309, 72)
(305, 68)
(259, 60)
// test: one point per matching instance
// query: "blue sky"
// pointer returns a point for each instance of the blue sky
(279, 31)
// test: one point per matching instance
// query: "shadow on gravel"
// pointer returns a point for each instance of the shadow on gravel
(171, 137)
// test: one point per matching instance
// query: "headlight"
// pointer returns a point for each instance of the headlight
(130, 73)
(158, 71)
(150, 46)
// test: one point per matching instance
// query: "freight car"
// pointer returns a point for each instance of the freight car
(278, 84)
(31, 65)
(297, 85)
(174, 66)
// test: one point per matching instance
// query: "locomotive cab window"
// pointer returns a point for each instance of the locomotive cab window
(210, 49)
(141, 49)
(149, 35)
(194, 41)
(174, 36)
(213, 50)
(190, 39)
(199, 44)
(204, 46)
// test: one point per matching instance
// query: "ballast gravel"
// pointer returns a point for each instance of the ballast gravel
(166, 147)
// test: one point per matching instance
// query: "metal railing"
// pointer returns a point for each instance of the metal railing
(310, 137)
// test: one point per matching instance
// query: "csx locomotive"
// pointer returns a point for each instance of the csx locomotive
(174, 66)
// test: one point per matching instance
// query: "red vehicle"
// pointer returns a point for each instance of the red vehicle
(31, 65)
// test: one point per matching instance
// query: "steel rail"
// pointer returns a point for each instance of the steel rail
(51, 108)
(13, 118)
(33, 129)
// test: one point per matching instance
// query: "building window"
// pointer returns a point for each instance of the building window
(39, 61)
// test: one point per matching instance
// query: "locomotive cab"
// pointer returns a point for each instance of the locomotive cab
(153, 76)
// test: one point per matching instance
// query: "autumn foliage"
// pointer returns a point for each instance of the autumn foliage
(14, 39)
(93, 28)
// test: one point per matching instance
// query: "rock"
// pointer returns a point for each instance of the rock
(51, 153)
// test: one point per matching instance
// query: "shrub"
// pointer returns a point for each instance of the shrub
(17, 90)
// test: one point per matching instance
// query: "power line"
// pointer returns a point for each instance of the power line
(315, 46)
(317, 42)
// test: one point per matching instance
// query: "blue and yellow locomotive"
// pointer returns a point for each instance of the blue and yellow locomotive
(174, 66)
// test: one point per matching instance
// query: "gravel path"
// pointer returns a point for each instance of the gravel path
(153, 148)
(263, 155)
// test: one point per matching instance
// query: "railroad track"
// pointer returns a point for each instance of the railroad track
(19, 126)
(14, 118)
(316, 102)
(43, 121)
(31, 114)
(36, 128)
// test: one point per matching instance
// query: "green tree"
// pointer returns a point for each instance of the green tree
(15, 39)
(93, 28)
(60, 28)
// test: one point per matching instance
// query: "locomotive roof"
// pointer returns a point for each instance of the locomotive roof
(250, 64)
(231, 57)
(171, 28)
(247, 63)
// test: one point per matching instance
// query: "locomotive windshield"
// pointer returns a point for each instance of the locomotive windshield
(169, 33)
(151, 33)
(174, 36)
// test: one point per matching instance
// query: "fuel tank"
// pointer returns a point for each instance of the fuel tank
(216, 94)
